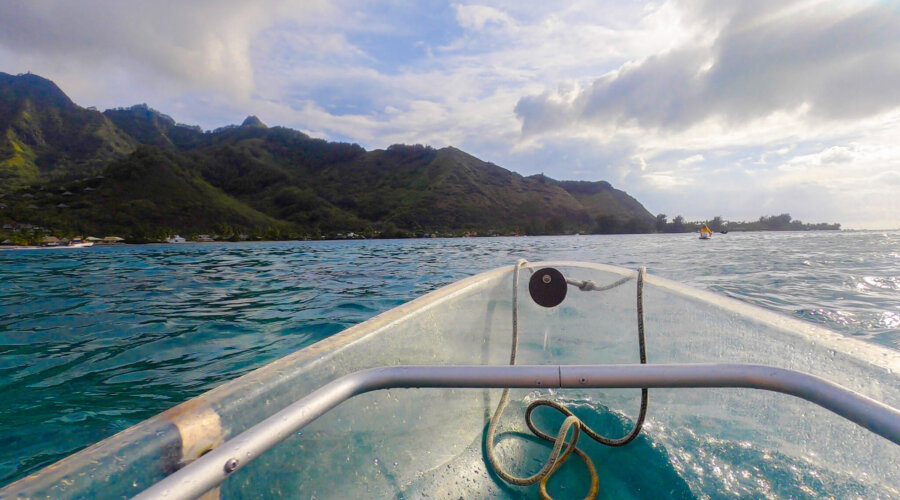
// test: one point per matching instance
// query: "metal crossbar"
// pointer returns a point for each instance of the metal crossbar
(214, 467)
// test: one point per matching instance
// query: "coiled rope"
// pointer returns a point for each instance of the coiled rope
(562, 449)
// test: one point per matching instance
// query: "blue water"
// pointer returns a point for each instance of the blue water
(95, 340)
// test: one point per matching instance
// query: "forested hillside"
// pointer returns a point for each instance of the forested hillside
(137, 173)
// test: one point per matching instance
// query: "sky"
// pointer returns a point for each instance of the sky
(696, 108)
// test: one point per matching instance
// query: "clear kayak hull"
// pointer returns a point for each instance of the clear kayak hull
(414, 443)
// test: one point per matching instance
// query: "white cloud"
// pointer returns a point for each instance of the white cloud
(818, 59)
(690, 160)
(478, 16)
(667, 179)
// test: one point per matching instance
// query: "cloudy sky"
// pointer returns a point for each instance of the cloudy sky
(695, 107)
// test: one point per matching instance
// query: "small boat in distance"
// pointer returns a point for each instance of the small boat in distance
(705, 233)
(175, 239)
(79, 242)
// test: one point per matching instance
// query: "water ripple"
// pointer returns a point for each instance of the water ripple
(96, 340)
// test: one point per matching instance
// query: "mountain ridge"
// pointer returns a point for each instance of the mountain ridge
(262, 178)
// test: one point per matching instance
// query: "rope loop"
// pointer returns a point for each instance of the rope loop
(561, 448)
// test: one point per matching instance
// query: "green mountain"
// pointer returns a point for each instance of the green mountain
(44, 135)
(158, 177)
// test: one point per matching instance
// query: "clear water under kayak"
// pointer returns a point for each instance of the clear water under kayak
(415, 443)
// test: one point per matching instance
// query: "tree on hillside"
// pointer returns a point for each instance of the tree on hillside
(661, 223)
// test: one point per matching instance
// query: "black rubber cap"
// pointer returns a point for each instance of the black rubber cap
(547, 287)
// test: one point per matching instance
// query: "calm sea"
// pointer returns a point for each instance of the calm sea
(95, 340)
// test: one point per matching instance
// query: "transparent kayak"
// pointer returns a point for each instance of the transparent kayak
(431, 442)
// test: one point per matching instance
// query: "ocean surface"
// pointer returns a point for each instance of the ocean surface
(95, 340)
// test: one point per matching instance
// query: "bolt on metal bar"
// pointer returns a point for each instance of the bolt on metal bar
(214, 467)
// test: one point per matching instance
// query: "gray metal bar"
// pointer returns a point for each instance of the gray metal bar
(214, 467)
(866, 412)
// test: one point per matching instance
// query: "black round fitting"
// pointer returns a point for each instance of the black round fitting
(547, 287)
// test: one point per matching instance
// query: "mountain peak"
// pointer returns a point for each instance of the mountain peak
(253, 121)
(38, 89)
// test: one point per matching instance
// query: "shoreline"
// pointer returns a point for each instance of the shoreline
(719, 235)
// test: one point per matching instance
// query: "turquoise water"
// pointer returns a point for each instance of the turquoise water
(95, 340)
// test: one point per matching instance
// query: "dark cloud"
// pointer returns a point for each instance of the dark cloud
(765, 57)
